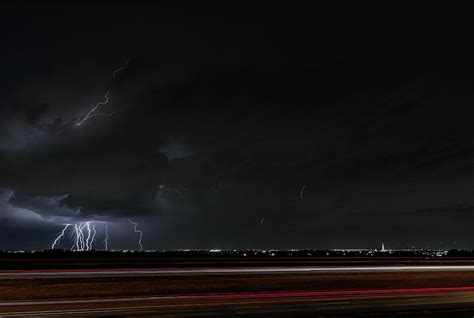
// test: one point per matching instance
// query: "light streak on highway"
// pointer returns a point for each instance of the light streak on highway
(353, 300)
(233, 270)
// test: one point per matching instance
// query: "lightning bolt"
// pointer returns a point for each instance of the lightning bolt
(76, 246)
(87, 244)
(82, 236)
(135, 224)
(106, 240)
(93, 235)
(92, 114)
(120, 69)
(60, 236)
(301, 192)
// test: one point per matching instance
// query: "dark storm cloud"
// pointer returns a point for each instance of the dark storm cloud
(11, 214)
(53, 210)
(219, 121)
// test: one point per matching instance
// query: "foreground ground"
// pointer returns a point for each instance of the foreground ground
(380, 288)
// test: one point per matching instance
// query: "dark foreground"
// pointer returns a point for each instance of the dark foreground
(280, 287)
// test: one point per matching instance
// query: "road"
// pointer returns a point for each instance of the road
(277, 290)
(288, 302)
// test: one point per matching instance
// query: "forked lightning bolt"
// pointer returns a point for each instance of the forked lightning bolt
(92, 113)
(84, 234)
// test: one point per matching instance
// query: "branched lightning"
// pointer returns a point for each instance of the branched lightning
(92, 114)
(60, 236)
(135, 224)
(83, 234)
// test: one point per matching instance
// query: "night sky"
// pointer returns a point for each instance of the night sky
(234, 127)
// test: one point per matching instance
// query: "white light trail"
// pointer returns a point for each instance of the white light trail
(135, 224)
(60, 236)
(223, 270)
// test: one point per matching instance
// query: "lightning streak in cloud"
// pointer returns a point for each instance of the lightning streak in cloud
(122, 68)
(301, 192)
(92, 114)
(135, 224)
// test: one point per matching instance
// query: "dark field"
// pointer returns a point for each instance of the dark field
(29, 262)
